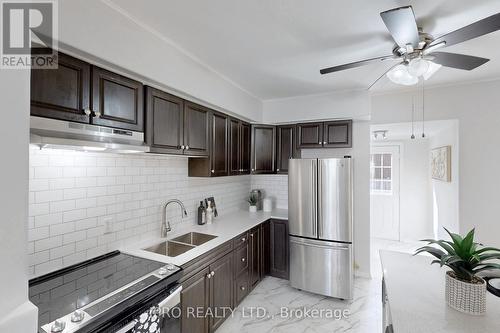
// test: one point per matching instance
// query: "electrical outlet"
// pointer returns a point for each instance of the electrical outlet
(108, 225)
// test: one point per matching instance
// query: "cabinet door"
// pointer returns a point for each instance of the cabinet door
(221, 290)
(245, 148)
(117, 101)
(241, 287)
(285, 147)
(338, 134)
(234, 147)
(255, 257)
(195, 295)
(219, 149)
(263, 148)
(164, 122)
(62, 93)
(196, 129)
(279, 249)
(310, 135)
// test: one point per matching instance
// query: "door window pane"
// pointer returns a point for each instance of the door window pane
(381, 173)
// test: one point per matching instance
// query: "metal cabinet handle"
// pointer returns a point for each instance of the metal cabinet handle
(209, 276)
(243, 259)
(213, 171)
(242, 288)
(324, 142)
(212, 273)
(319, 143)
(253, 169)
(243, 239)
(97, 114)
(251, 235)
(87, 111)
(182, 147)
(277, 169)
(187, 147)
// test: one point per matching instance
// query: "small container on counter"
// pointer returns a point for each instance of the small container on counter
(210, 213)
(202, 214)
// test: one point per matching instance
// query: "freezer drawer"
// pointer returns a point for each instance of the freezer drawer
(321, 267)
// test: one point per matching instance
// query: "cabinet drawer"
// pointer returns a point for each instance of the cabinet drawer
(240, 240)
(241, 287)
(241, 259)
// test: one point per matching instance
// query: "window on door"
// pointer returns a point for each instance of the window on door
(381, 173)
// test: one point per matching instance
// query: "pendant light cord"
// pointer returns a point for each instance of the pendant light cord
(423, 108)
(412, 117)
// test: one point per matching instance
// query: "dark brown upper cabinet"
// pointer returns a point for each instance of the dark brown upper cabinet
(216, 164)
(117, 101)
(245, 146)
(337, 134)
(331, 134)
(239, 147)
(62, 93)
(263, 149)
(219, 149)
(196, 129)
(164, 122)
(310, 135)
(285, 147)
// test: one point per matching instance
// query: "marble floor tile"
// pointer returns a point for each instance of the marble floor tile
(363, 312)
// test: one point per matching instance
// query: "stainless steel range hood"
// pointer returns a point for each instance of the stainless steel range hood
(60, 134)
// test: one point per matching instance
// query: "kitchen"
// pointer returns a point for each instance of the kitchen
(166, 136)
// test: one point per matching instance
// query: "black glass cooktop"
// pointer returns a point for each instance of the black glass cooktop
(64, 291)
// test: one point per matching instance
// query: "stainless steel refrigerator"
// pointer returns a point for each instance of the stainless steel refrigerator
(320, 226)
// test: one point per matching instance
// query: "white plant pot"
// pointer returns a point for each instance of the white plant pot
(469, 298)
(252, 209)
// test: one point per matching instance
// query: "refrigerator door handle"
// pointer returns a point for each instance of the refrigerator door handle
(314, 196)
(319, 222)
(329, 246)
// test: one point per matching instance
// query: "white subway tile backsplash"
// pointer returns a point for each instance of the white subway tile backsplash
(274, 187)
(72, 194)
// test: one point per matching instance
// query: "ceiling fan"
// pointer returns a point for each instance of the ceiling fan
(415, 50)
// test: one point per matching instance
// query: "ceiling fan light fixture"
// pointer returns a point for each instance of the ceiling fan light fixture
(433, 68)
(400, 75)
(418, 67)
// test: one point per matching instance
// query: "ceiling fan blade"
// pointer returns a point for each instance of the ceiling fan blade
(471, 31)
(356, 64)
(459, 61)
(402, 25)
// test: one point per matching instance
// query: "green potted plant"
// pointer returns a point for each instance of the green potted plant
(465, 290)
(252, 200)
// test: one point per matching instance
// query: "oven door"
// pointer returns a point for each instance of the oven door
(166, 316)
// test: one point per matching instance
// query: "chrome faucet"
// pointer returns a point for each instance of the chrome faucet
(165, 225)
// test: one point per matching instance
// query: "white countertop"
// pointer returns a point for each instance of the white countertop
(416, 292)
(224, 227)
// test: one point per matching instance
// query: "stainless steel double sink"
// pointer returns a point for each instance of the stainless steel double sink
(181, 244)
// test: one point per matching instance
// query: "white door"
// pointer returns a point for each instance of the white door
(384, 192)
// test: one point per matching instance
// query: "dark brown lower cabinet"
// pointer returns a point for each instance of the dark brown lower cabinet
(221, 291)
(279, 249)
(255, 257)
(220, 279)
(194, 296)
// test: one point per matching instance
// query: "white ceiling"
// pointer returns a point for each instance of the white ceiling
(275, 48)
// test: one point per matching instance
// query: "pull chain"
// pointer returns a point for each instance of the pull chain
(412, 117)
(423, 108)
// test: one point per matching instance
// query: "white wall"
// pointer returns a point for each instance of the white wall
(17, 314)
(475, 106)
(73, 194)
(97, 29)
(446, 194)
(355, 105)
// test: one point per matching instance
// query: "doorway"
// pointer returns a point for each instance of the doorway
(384, 192)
